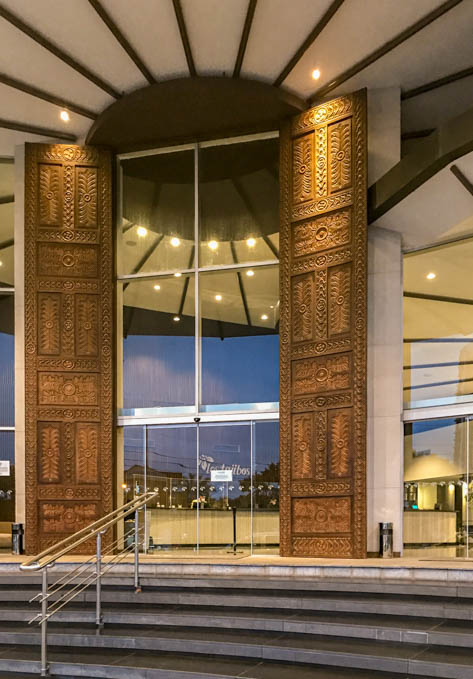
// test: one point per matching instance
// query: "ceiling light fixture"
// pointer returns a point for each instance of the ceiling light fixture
(430, 276)
(157, 287)
(178, 274)
(316, 74)
(64, 115)
(142, 232)
(264, 317)
(176, 319)
(213, 245)
(218, 298)
(175, 242)
(250, 272)
(251, 242)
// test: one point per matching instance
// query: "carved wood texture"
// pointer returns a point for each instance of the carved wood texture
(323, 331)
(68, 341)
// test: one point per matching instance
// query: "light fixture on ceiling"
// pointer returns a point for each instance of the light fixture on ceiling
(430, 276)
(157, 287)
(250, 272)
(316, 74)
(141, 231)
(218, 298)
(1, 263)
(64, 115)
(178, 274)
(251, 242)
(213, 245)
(176, 319)
(175, 242)
(264, 317)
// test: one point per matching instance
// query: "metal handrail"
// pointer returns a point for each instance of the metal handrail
(47, 559)
(84, 534)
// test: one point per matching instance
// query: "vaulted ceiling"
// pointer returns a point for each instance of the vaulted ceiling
(84, 54)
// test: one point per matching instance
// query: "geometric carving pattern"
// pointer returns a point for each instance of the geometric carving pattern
(323, 331)
(69, 341)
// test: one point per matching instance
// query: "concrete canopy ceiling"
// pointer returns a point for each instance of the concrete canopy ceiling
(85, 54)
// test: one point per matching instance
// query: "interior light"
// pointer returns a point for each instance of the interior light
(218, 298)
(175, 242)
(141, 231)
(124, 486)
(176, 319)
(430, 276)
(250, 272)
(316, 74)
(264, 317)
(178, 274)
(157, 287)
(251, 242)
(64, 115)
(213, 245)
(1, 263)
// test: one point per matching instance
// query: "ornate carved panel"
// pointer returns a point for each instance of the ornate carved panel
(323, 331)
(69, 340)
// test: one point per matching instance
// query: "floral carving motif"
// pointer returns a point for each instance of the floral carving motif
(321, 374)
(339, 300)
(340, 548)
(87, 448)
(321, 515)
(302, 170)
(49, 194)
(49, 443)
(302, 446)
(87, 321)
(322, 233)
(340, 155)
(302, 299)
(86, 197)
(339, 443)
(48, 324)
(55, 259)
(68, 388)
(67, 518)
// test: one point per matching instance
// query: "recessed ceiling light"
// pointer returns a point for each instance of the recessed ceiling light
(176, 319)
(250, 272)
(175, 242)
(251, 242)
(264, 317)
(64, 115)
(316, 74)
(157, 287)
(430, 276)
(178, 274)
(218, 298)
(1, 263)
(142, 232)
(213, 245)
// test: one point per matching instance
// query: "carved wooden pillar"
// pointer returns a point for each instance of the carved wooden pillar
(323, 331)
(68, 340)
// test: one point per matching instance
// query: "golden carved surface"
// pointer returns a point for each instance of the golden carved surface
(68, 340)
(323, 331)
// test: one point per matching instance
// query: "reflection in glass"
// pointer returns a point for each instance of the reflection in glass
(157, 231)
(7, 215)
(438, 518)
(158, 342)
(7, 360)
(266, 487)
(239, 203)
(172, 472)
(240, 343)
(438, 325)
(7, 482)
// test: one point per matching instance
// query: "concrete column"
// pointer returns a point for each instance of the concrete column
(385, 359)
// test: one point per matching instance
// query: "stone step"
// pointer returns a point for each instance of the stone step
(125, 649)
(362, 626)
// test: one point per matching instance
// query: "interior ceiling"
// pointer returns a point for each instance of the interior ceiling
(85, 54)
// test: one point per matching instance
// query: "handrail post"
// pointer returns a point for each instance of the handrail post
(98, 572)
(137, 553)
(44, 625)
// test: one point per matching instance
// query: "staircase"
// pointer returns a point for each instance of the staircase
(240, 626)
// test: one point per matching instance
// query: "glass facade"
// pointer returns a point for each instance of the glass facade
(198, 298)
(7, 345)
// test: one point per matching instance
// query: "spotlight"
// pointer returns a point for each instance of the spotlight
(176, 319)
(250, 272)
(178, 274)
(264, 317)
(213, 245)
(218, 298)
(251, 242)
(316, 74)
(430, 276)
(157, 287)
(64, 115)
(142, 232)
(175, 242)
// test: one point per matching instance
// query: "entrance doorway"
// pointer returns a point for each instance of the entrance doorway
(217, 485)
